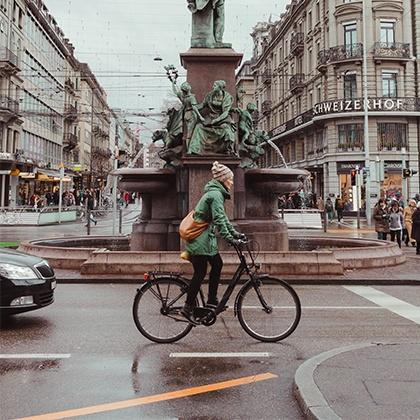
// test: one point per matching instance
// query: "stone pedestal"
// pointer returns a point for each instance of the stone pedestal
(157, 226)
(206, 65)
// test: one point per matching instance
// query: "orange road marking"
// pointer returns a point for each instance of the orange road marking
(182, 393)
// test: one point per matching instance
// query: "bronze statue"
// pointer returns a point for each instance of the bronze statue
(216, 133)
(208, 23)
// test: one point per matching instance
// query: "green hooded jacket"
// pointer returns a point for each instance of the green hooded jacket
(211, 209)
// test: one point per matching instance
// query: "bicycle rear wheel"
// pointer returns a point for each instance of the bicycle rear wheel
(268, 310)
(156, 310)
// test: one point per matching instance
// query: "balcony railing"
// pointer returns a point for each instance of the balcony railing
(391, 50)
(266, 77)
(70, 112)
(323, 57)
(266, 107)
(345, 52)
(8, 60)
(297, 43)
(297, 82)
(9, 104)
(70, 141)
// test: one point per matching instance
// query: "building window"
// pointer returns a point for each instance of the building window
(317, 11)
(318, 93)
(310, 60)
(392, 136)
(311, 99)
(350, 137)
(350, 35)
(389, 84)
(309, 21)
(388, 32)
(350, 86)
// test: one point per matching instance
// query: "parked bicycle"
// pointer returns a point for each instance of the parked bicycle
(268, 308)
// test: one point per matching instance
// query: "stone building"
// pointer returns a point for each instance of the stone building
(11, 52)
(245, 88)
(96, 151)
(309, 89)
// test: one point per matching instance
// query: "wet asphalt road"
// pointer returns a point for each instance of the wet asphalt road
(109, 361)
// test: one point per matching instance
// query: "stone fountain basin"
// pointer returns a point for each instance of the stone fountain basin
(105, 255)
(146, 180)
(275, 180)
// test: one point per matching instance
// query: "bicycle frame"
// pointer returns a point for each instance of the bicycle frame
(241, 269)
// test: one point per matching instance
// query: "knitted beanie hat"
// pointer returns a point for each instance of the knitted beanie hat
(221, 172)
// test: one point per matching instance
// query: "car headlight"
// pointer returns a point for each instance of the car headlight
(16, 272)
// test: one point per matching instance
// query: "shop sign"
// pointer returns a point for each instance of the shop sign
(394, 166)
(351, 105)
(347, 167)
(293, 123)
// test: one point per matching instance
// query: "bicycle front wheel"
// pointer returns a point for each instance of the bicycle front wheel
(268, 309)
(156, 310)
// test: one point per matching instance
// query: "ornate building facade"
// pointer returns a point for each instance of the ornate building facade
(309, 90)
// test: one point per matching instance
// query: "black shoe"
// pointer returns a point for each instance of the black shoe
(188, 312)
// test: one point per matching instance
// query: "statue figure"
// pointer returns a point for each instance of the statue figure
(251, 141)
(208, 23)
(172, 139)
(189, 112)
(216, 132)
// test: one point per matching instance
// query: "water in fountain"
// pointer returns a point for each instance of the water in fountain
(278, 151)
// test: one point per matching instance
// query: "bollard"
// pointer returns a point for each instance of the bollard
(282, 213)
(325, 217)
(120, 222)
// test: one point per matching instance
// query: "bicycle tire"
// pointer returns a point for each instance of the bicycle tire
(143, 317)
(254, 319)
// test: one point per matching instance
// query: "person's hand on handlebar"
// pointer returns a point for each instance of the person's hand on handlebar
(241, 236)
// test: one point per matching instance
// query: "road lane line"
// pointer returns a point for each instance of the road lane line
(182, 393)
(319, 307)
(397, 306)
(219, 355)
(35, 356)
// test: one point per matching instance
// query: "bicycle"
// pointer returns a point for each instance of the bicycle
(268, 308)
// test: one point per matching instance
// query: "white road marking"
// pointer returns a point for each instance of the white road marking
(319, 307)
(219, 355)
(397, 306)
(35, 356)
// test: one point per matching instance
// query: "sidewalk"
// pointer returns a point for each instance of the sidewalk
(366, 381)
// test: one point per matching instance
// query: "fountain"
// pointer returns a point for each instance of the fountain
(209, 127)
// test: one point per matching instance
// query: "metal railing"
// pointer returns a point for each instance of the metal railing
(391, 50)
(9, 104)
(345, 52)
(297, 81)
(297, 42)
(8, 57)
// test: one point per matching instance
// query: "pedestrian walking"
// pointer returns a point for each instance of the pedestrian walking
(203, 250)
(320, 204)
(329, 208)
(415, 233)
(381, 217)
(90, 206)
(408, 222)
(395, 222)
(339, 208)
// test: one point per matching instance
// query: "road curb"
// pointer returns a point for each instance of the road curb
(309, 397)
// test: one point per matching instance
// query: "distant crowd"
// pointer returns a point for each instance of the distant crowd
(401, 222)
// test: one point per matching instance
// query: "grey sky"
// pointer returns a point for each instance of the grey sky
(117, 36)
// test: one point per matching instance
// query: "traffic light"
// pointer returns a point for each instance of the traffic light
(365, 174)
(407, 173)
(353, 175)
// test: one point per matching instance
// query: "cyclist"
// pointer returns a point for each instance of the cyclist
(203, 250)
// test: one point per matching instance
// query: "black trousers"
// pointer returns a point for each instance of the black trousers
(199, 263)
(396, 234)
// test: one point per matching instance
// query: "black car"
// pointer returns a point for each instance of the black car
(26, 282)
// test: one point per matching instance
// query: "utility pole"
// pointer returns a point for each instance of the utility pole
(91, 141)
(366, 116)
